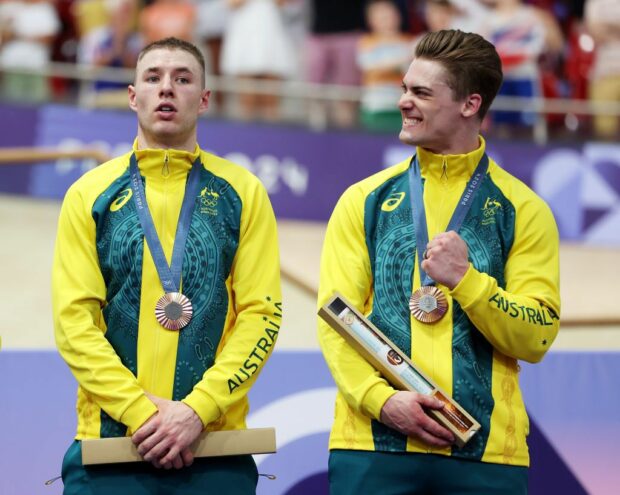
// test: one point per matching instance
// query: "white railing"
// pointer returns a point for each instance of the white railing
(308, 94)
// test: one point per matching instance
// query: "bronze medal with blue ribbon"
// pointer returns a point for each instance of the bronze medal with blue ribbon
(173, 310)
(428, 303)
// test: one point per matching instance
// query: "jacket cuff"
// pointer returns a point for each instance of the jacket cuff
(375, 399)
(138, 413)
(204, 406)
(470, 289)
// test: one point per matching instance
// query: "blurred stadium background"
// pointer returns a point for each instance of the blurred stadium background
(306, 159)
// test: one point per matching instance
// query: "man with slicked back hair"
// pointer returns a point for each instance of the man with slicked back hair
(456, 261)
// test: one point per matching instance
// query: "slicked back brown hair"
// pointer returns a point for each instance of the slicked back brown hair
(177, 44)
(471, 62)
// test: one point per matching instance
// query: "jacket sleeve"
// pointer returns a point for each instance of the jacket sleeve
(522, 319)
(345, 267)
(78, 296)
(254, 316)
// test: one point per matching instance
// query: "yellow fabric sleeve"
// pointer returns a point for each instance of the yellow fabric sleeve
(78, 296)
(345, 267)
(256, 306)
(521, 321)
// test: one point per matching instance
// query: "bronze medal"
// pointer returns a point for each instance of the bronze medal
(428, 304)
(173, 311)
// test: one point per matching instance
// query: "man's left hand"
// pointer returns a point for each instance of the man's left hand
(165, 439)
(446, 259)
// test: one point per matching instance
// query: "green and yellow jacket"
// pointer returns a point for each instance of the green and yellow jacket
(105, 287)
(506, 307)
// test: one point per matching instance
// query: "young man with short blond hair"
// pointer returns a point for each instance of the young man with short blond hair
(166, 293)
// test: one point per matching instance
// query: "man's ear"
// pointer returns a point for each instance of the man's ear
(471, 105)
(131, 93)
(204, 101)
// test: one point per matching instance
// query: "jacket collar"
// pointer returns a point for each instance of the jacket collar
(462, 166)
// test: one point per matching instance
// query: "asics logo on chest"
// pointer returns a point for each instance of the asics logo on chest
(393, 201)
(122, 199)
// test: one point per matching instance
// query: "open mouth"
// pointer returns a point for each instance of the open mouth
(166, 108)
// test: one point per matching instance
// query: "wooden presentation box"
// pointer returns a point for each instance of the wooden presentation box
(395, 366)
(208, 444)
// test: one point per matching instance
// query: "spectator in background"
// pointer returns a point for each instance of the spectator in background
(296, 18)
(602, 19)
(212, 18)
(383, 56)
(119, 44)
(407, 11)
(331, 47)
(27, 31)
(439, 14)
(108, 38)
(168, 18)
(64, 47)
(257, 47)
(93, 20)
(468, 16)
(521, 34)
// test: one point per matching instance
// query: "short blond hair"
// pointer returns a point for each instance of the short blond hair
(177, 44)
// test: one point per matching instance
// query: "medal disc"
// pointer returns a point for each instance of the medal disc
(428, 304)
(173, 311)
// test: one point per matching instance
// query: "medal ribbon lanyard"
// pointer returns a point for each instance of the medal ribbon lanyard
(169, 275)
(419, 214)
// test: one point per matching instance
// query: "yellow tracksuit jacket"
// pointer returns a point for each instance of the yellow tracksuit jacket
(505, 309)
(105, 287)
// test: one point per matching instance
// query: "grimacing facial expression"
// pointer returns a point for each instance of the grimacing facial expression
(431, 115)
(168, 95)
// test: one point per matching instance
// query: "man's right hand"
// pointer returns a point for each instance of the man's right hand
(165, 439)
(404, 412)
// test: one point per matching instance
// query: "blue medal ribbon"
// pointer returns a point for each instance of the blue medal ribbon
(169, 275)
(419, 214)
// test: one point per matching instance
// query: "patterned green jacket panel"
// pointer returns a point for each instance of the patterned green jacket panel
(488, 231)
(211, 247)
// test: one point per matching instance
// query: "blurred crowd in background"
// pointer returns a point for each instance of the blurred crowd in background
(549, 48)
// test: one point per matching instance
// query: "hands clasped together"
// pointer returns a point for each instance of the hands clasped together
(165, 439)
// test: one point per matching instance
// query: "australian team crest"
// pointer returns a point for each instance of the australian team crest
(490, 208)
(208, 201)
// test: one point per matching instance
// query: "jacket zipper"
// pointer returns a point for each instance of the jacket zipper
(165, 172)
